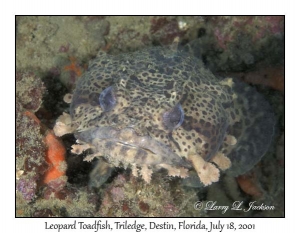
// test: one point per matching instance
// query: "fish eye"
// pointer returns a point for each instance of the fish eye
(107, 99)
(174, 118)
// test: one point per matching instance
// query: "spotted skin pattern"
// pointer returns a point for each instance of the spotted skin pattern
(161, 108)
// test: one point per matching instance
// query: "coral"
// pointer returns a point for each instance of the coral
(40, 155)
(42, 41)
(59, 191)
(97, 26)
(27, 187)
(117, 194)
(29, 90)
(238, 43)
(55, 157)
(44, 213)
(227, 29)
(139, 199)
(30, 147)
(144, 207)
(137, 32)
(165, 30)
(67, 202)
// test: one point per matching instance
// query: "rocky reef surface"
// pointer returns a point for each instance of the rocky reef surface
(53, 52)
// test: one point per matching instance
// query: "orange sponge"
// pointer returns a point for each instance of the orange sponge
(55, 156)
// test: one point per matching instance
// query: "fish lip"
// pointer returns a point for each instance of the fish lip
(134, 146)
(128, 137)
(180, 161)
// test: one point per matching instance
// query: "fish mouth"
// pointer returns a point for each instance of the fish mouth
(127, 139)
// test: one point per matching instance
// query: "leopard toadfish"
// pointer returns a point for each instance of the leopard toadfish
(160, 108)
